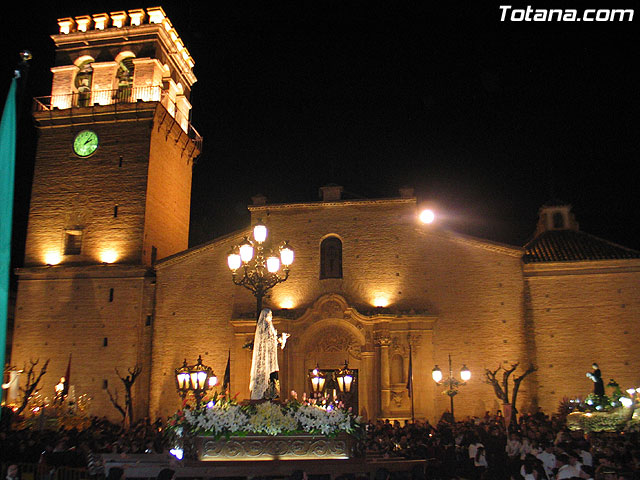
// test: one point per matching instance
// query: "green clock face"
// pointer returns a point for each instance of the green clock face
(85, 143)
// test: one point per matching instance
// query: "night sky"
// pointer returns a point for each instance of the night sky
(487, 119)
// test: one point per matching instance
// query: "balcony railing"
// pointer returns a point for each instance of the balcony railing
(127, 95)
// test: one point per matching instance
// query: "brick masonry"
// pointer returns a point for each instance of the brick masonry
(490, 309)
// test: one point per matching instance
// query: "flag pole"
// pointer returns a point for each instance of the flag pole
(8, 138)
(413, 417)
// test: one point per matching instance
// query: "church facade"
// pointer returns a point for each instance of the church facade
(108, 277)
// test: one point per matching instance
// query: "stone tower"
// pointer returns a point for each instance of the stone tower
(111, 195)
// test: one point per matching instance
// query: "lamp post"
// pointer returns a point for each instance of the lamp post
(197, 379)
(451, 383)
(259, 265)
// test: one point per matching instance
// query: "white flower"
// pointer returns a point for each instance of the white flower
(271, 419)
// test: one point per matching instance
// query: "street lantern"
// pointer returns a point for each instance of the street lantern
(256, 267)
(233, 259)
(246, 250)
(286, 254)
(345, 378)
(200, 375)
(260, 232)
(317, 380)
(197, 379)
(436, 374)
(182, 379)
(451, 382)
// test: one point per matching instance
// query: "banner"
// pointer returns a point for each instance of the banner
(7, 172)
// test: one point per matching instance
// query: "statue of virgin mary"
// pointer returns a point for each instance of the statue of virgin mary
(264, 365)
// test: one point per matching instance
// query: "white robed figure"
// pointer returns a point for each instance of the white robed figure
(264, 365)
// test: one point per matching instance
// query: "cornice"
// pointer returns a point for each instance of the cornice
(592, 267)
(210, 245)
(60, 272)
(462, 239)
(338, 203)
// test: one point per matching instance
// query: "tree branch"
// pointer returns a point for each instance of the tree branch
(490, 378)
(516, 386)
(114, 402)
(505, 379)
(32, 383)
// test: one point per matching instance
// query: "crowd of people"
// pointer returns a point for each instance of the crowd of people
(81, 449)
(535, 448)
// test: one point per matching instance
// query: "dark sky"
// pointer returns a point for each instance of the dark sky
(488, 119)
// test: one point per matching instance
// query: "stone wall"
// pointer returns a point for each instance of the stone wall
(473, 288)
(168, 195)
(71, 192)
(98, 314)
(583, 313)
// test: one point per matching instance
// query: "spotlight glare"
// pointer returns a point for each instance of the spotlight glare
(427, 216)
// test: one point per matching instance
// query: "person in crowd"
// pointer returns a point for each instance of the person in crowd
(565, 469)
(12, 472)
(116, 473)
(166, 474)
(548, 459)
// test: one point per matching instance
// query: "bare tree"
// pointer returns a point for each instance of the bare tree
(31, 385)
(501, 387)
(115, 402)
(128, 382)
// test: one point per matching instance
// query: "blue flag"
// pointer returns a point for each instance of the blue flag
(7, 172)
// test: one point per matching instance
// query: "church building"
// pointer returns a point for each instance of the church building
(109, 277)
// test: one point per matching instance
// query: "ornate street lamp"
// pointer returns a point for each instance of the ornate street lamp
(182, 379)
(345, 379)
(197, 379)
(317, 381)
(259, 265)
(451, 383)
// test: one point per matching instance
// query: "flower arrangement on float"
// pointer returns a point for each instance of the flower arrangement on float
(603, 413)
(223, 416)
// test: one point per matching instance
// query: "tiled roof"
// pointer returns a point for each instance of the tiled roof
(573, 246)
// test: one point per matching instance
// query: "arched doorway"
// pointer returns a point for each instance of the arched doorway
(328, 343)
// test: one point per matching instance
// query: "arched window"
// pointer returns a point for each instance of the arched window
(125, 79)
(331, 258)
(83, 81)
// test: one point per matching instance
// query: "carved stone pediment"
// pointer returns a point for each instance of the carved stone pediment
(331, 309)
(335, 339)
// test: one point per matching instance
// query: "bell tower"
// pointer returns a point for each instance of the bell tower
(111, 195)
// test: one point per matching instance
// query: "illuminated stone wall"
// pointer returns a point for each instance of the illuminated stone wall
(73, 311)
(472, 289)
(486, 310)
(194, 305)
(168, 195)
(584, 312)
(72, 192)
